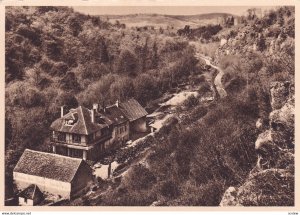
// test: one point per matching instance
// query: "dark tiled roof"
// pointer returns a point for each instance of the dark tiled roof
(132, 109)
(52, 166)
(115, 115)
(30, 192)
(83, 124)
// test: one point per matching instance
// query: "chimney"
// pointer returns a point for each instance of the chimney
(61, 111)
(103, 107)
(117, 103)
(93, 115)
(95, 106)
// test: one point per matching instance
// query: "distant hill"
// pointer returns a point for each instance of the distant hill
(160, 20)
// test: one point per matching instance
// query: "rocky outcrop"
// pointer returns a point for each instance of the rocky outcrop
(271, 182)
(230, 197)
(279, 94)
(270, 187)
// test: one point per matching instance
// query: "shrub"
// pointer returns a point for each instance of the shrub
(190, 102)
(140, 178)
(169, 189)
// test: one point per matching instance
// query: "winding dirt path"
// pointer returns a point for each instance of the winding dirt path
(218, 79)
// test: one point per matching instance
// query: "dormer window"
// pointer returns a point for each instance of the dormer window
(71, 120)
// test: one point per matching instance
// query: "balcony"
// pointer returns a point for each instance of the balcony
(81, 143)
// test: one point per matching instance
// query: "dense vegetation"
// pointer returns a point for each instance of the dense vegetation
(55, 56)
(203, 32)
(197, 159)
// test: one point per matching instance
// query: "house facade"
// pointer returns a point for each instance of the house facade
(136, 115)
(120, 126)
(54, 174)
(88, 134)
(81, 133)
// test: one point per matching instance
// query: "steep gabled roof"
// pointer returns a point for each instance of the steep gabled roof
(132, 110)
(47, 165)
(115, 115)
(30, 192)
(83, 124)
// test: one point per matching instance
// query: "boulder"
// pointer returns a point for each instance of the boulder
(229, 198)
(283, 118)
(282, 122)
(271, 187)
(259, 123)
(279, 94)
(264, 139)
(223, 42)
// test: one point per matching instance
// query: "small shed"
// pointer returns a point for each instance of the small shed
(59, 175)
(30, 196)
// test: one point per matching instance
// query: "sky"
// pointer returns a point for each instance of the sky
(169, 10)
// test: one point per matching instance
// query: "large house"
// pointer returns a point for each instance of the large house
(58, 175)
(87, 134)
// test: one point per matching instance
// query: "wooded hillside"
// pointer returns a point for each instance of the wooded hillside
(56, 56)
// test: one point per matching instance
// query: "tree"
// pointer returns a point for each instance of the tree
(261, 44)
(122, 89)
(33, 76)
(145, 88)
(143, 55)
(251, 13)
(45, 9)
(154, 58)
(169, 189)
(65, 99)
(140, 178)
(127, 63)
(74, 24)
(104, 58)
(69, 82)
(8, 131)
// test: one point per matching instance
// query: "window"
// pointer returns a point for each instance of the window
(61, 150)
(25, 200)
(76, 138)
(61, 137)
(76, 153)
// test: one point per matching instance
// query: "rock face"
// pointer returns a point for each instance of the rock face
(279, 94)
(271, 182)
(270, 187)
(229, 197)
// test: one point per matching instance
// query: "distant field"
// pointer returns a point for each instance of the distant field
(158, 20)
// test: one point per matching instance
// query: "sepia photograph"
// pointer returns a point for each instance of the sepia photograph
(149, 106)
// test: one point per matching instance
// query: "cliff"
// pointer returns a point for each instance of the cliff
(271, 181)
